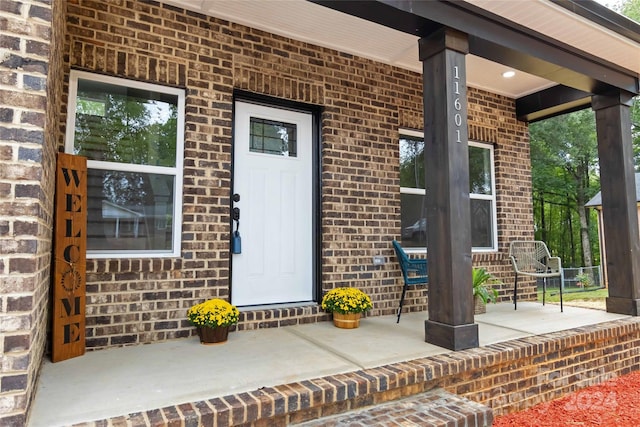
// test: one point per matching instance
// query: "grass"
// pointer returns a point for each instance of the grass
(553, 295)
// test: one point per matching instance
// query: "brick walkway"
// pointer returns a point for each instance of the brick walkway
(430, 409)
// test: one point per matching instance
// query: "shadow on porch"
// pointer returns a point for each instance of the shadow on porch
(305, 369)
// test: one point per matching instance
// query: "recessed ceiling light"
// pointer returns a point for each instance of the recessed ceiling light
(508, 74)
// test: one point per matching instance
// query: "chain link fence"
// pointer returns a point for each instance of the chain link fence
(577, 279)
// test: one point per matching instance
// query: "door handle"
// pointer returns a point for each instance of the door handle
(235, 212)
(236, 243)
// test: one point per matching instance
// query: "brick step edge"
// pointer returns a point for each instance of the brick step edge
(433, 408)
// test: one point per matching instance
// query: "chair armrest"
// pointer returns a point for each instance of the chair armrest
(514, 263)
(554, 264)
(417, 265)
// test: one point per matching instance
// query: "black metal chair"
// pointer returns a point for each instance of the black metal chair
(414, 272)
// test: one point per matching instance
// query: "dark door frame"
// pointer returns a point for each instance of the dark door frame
(315, 111)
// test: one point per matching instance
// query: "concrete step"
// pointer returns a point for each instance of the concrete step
(433, 408)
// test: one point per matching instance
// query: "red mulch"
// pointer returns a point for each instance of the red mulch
(613, 403)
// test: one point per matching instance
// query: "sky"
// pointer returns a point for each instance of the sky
(608, 3)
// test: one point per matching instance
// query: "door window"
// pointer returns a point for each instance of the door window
(271, 137)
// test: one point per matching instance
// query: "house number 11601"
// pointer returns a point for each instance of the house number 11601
(457, 105)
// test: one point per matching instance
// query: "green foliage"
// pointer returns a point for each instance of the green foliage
(564, 162)
(412, 173)
(481, 278)
(563, 176)
(126, 128)
(631, 9)
(584, 279)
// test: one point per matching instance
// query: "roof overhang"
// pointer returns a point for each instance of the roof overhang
(564, 51)
(596, 201)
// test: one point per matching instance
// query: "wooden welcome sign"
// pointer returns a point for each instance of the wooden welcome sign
(70, 236)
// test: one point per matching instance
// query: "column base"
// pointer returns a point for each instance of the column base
(460, 337)
(623, 306)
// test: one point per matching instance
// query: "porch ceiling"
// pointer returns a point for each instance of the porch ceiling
(317, 24)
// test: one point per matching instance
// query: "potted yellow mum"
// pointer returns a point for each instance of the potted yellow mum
(347, 305)
(213, 318)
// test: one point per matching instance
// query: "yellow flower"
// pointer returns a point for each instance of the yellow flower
(213, 312)
(346, 300)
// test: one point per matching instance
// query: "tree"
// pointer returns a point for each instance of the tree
(631, 9)
(564, 170)
(130, 130)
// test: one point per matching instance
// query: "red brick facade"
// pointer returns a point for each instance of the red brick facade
(364, 104)
(130, 301)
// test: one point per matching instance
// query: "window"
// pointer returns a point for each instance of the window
(413, 211)
(270, 137)
(412, 193)
(132, 136)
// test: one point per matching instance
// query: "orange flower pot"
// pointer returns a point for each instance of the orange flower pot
(346, 321)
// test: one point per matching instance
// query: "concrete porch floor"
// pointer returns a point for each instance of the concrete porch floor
(108, 383)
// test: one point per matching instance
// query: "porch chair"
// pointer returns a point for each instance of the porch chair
(414, 272)
(532, 258)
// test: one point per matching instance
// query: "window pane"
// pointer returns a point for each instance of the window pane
(411, 162)
(271, 137)
(413, 211)
(125, 125)
(479, 170)
(413, 220)
(481, 223)
(129, 211)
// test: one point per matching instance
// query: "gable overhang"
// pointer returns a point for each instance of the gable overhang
(577, 73)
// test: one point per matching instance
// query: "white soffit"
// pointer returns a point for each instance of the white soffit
(559, 23)
(315, 24)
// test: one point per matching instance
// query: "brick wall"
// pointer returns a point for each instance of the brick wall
(538, 369)
(507, 377)
(364, 105)
(30, 75)
(514, 206)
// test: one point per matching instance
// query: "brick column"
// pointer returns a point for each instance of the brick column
(31, 66)
(450, 323)
(619, 212)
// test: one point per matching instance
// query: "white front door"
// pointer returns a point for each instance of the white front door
(272, 174)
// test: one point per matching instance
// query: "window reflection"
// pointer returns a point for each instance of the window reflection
(125, 125)
(129, 210)
(413, 196)
(481, 223)
(130, 133)
(271, 137)
(479, 170)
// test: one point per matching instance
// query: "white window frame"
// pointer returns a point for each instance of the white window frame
(491, 197)
(176, 172)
